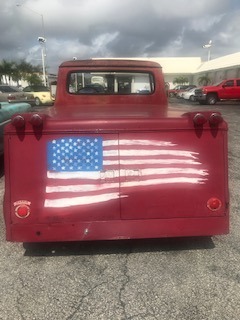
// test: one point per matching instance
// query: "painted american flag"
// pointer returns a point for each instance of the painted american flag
(86, 170)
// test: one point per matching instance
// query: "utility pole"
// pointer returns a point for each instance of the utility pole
(42, 41)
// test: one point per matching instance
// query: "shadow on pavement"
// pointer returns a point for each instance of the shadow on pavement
(117, 246)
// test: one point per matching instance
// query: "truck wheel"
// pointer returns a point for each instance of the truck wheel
(192, 98)
(37, 102)
(211, 99)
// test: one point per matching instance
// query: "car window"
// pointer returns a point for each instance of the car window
(40, 89)
(27, 89)
(36, 89)
(229, 83)
(8, 89)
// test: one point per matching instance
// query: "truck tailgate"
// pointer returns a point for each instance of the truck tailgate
(70, 172)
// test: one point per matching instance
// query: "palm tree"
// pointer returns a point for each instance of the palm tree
(180, 80)
(16, 71)
(204, 80)
(7, 68)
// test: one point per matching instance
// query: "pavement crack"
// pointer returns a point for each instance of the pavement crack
(82, 299)
(123, 286)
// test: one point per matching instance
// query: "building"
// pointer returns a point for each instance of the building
(218, 69)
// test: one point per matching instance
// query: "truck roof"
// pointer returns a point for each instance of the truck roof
(110, 63)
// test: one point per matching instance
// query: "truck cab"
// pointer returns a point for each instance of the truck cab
(110, 160)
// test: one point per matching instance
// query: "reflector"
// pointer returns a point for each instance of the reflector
(22, 211)
(214, 204)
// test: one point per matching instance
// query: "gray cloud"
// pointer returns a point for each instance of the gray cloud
(119, 28)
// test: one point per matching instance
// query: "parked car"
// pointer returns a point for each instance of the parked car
(12, 94)
(180, 88)
(189, 94)
(41, 94)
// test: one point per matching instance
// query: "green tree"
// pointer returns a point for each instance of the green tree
(180, 80)
(33, 79)
(25, 69)
(204, 80)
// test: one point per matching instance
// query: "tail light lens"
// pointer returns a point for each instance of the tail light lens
(215, 119)
(11, 98)
(18, 121)
(199, 119)
(36, 120)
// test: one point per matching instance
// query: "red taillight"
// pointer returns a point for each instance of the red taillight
(214, 204)
(22, 211)
(199, 119)
(18, 121)
(36, 120)
(215, 119)
(10, 98)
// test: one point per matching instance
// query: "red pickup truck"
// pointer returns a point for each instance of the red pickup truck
(225, 90)
(111, 161)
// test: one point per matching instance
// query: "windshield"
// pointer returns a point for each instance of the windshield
(217, 84)
(114, 82)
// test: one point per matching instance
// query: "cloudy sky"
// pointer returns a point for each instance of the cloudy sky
(117, 28)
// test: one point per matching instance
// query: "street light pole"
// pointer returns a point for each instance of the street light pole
(41, 40)
(208, 46)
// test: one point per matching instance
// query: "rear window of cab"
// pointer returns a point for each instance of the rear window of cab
(113, 82)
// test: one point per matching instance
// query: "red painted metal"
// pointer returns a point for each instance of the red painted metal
(163, 174)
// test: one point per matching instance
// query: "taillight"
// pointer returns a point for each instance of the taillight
(215, 119)
(18, 121)
(199, 119)
(22, 211)
(214, 204)
(36, 120)
(11, 98)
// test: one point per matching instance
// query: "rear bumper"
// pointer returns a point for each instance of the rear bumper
(119, 229)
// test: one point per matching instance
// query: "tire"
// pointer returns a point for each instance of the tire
(37, 101)
(212, 99)
(192, 98)
(171, 95)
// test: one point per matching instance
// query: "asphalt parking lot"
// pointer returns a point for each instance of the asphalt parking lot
(165, 279)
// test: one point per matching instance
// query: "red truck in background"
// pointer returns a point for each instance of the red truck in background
(111, 161)
(225, 90)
